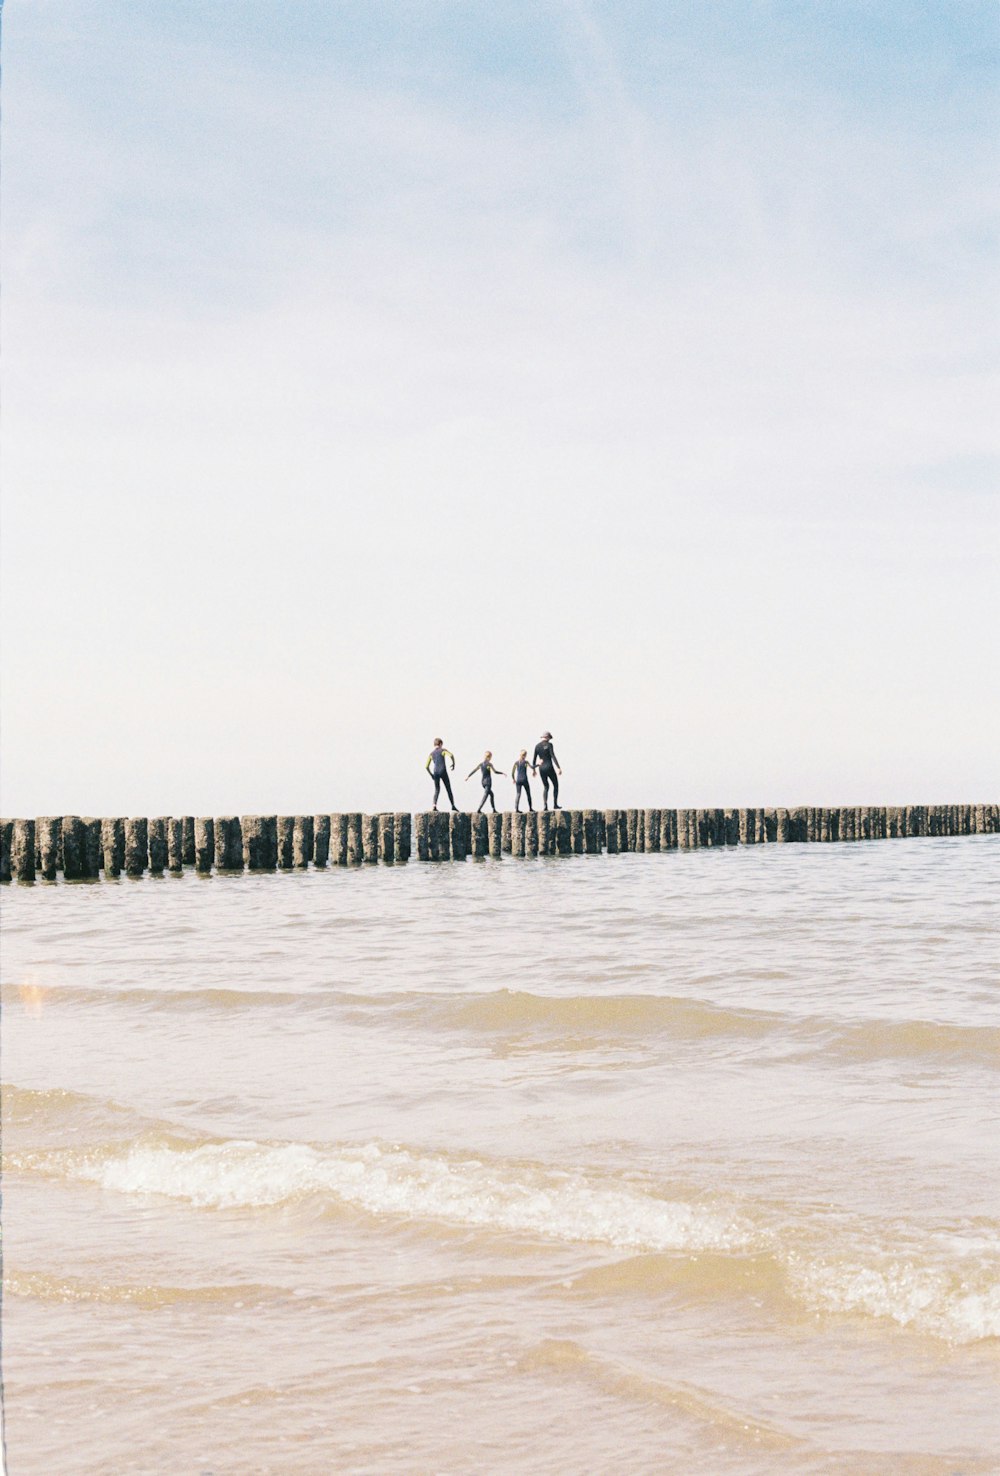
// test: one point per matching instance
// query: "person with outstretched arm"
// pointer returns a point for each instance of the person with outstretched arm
(519, 774)
(487, 770)
(437, 768)
(548, 766)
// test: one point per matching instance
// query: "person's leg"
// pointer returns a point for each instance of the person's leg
(447, 784)
(518, 786)
(482, 801)
(437, 788)
(555, 790)
(545, 789)
(492, 800)
(527, 790)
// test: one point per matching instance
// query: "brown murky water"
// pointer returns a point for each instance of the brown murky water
(679, 1162)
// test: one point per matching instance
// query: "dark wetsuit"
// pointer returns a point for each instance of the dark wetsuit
(486, 769)
(439, 773)
(519, 773)
(545, 759)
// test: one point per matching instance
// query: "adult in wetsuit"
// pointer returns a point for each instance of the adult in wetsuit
(548, 765)
(519, 774)
(487, 770)
(437, 769)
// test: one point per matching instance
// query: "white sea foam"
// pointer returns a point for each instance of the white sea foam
(931, 1298)
(520, 1199)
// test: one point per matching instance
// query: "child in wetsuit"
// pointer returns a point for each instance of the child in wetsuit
(519, 774)
(436, 767)
(487, 770)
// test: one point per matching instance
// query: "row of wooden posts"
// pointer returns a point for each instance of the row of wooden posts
(83, 847)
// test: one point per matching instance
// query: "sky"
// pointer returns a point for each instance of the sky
(374, 372)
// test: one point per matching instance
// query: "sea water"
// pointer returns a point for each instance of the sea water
(680, 1162)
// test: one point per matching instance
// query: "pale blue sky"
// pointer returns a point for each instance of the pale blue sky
(374, 371)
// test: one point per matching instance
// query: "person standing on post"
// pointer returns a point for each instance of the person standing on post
(437, 769)
(519, 774)
(548, 765)
(487, 770)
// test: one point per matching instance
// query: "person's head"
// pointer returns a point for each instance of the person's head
(487, 754)
(523, 753)
(438, 742)
(546, 737)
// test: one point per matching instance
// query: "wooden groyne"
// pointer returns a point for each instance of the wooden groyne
(83, 848)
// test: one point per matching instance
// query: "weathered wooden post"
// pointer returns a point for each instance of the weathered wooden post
(668, 830)
(158, 845)
(591, 833)
(321, 840)
(480, 836)
(204, 843)
(631, 818)
(48, 836)
(610, 831)
(403, 832)
(72, 847)
(531, 833)
(441, 836)
(6, 845)
(338, 839)
(112, 845)
(706, 827)
(228, 843)
(543, 832)
(256, 842)
(136, 845)
(506, 833)
(576, 832)
(22, 850)
(286, 841)
(187, 844)
(90, 850)
(495, 828)
(355, 841)
(387, 837)
(420, 822)
(562, 833)
(459, 835)
(517, 828)
(303, 841)
(175, 844)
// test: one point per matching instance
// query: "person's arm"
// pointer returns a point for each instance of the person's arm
(556, 762)
(494, 770)
(447, 754)
(469, 774)
(513, 772)
(430, 756)
(534, 757)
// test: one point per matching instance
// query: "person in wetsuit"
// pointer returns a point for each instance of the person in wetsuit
(519, 774)
(548, 765)
(437, 769)
(487, 770)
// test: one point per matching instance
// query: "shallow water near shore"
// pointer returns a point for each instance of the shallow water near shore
(680, 1162)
